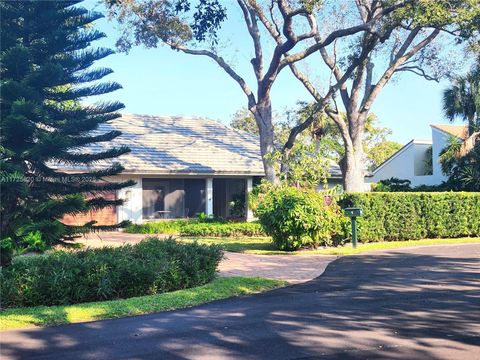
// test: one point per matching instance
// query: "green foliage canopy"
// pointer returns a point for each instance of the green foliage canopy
(298, 217)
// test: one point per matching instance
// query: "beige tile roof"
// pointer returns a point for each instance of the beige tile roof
(183, 145)
(460, 131)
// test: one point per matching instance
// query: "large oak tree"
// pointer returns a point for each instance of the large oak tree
(297, 29)
(410, 41)
(192, 27)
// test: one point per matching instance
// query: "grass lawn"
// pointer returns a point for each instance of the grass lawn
(236, 244)
(264, 245)
(221, 288)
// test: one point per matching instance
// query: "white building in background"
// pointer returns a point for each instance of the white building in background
(418, 161)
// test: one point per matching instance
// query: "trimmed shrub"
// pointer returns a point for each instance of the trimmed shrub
(409, 216)
(223, 230)
(209, 227)
(296, 218)
(158, 227)
(153, 266)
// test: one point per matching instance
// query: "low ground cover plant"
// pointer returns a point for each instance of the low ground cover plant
(151, 267)
(298, 217)
(159, 227)
(416, 215)
(203, 226)
(223, 230)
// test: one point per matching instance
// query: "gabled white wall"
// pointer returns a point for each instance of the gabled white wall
(407, 164)
(400, 166)
(421, 156)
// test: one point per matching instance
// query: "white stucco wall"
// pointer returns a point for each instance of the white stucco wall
(421, 155)
(401, 166)
(132, 207)
(409, 164)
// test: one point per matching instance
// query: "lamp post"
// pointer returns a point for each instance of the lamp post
(353, 213)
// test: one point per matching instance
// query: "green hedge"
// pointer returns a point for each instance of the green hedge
(409, 216)
(158, 227)
(195, 227)
(223, 230)
(153, 266)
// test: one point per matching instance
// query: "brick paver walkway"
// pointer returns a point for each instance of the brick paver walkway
(291, 268)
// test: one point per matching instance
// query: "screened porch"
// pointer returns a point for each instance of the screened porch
(177, 198)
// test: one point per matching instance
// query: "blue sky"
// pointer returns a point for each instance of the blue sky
(163, 82)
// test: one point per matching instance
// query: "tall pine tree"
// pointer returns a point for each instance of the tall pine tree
(46, 70)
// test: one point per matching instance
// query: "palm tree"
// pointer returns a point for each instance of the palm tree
(464, 172)
(462, 100)
(460, 160)
(461, 163)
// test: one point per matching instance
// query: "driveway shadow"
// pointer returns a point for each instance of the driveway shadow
(416, 304)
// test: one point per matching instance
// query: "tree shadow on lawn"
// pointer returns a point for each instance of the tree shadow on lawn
(36, 316)
(61, 314)
(418, 304)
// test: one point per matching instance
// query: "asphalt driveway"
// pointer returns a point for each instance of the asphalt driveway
(421, 303)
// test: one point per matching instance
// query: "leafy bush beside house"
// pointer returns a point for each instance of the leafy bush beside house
(404, 185)
(392, 185)
(409, 216)
(296, 218)
(153, 266)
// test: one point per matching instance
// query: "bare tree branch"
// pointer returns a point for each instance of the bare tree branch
(342, 125)
(363, 10)
(221, 62)
(272, 27)
(322, 102)
(331, 63)
(401, 58)
(368, 82)
(252, 26)
(417, 70)
(308, 85)
(406, 44)
(368, 27)
(283, 47)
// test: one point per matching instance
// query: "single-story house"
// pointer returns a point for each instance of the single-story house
(182, 166)
(419, 160)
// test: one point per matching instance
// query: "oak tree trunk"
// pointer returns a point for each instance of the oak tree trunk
(353, 173)
(263, 117)
(352, 164)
